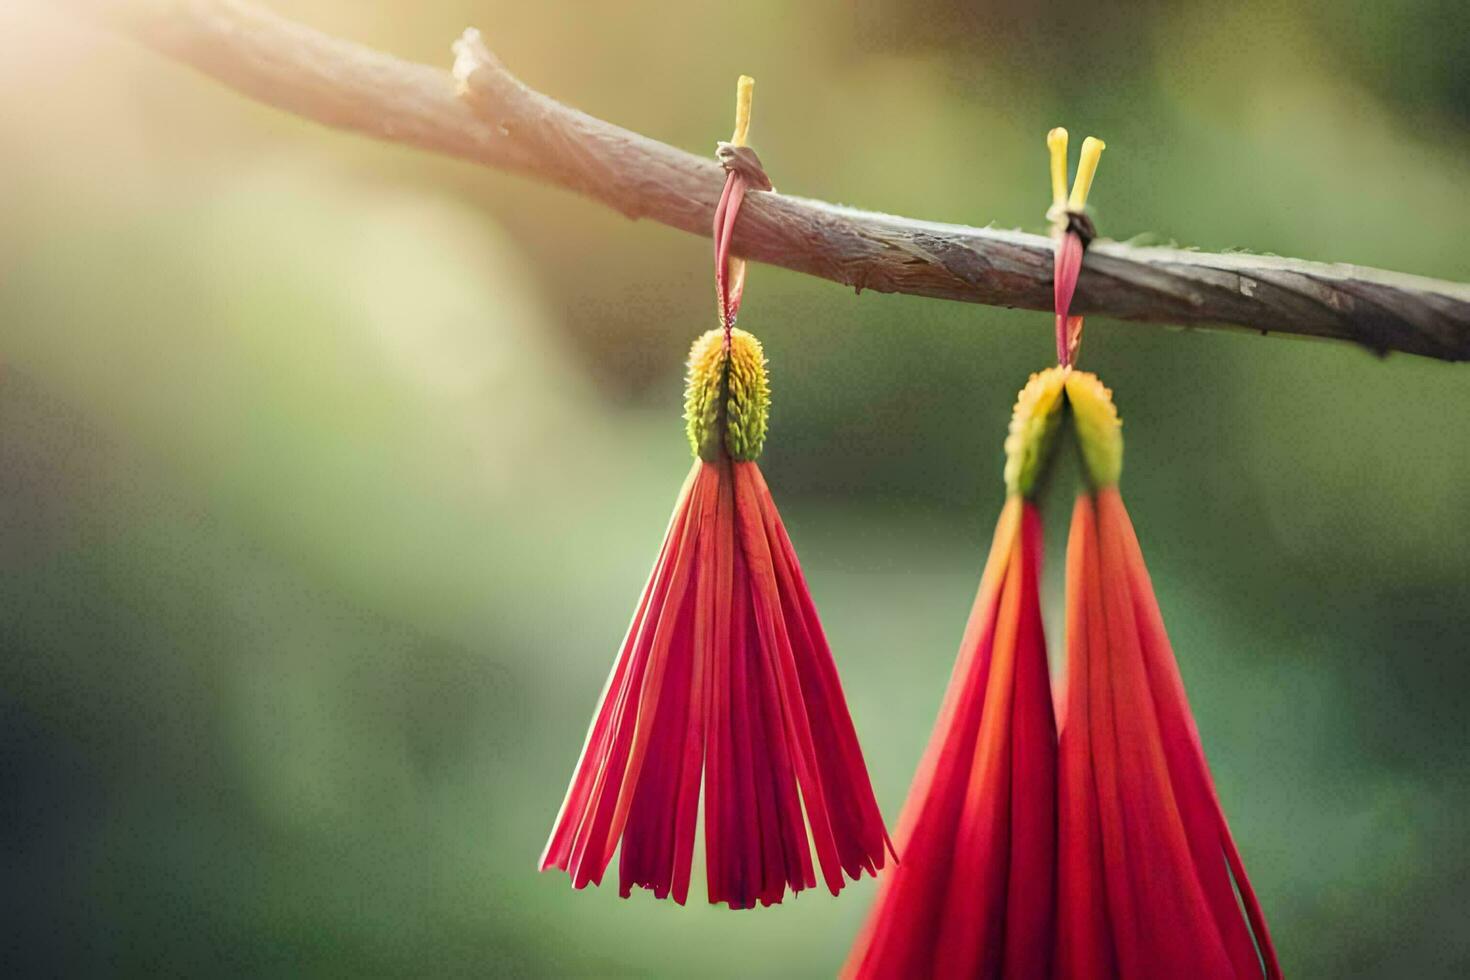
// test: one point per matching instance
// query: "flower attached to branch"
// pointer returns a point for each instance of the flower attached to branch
(1091, 848)
(743, 172)
(973, 895)
(725, 678)
(725, 675)
(1149, 882)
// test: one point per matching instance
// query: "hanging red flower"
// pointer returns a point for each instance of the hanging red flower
(1150, 882)
(1105, 853)
(973, 896)
(725, 676)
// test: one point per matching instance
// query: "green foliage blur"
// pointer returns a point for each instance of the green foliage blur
(330, 470)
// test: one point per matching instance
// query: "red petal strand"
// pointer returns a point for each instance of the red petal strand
(1198, 862)
(1174, 930)
(1146, 862)
(971, 671)
(776, 646)
(744, 873)
(973, 893)
(1084, 943)
(588, 855)
(708, 615)
(899, 935)
(665, 635)
(1097, 690)
(648, 844)
(605, 768)
(720, 816)
(638, 711)
(1031, 885)
(857, 822)
(558, 847)
(973, 915)
(1217, 861)
(788, 860)
(724, 678)
(770, 799)
(661, 802)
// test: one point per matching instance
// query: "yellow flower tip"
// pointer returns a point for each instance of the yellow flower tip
(1092, 148)
(727, 399)
(1099, 429)
(1033, 430)
(744, 96)
(1056, 145)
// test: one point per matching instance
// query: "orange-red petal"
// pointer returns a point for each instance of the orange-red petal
(1145, 866)
(724, 679)
(972, 896)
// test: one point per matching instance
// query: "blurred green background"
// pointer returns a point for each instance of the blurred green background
(330, 470)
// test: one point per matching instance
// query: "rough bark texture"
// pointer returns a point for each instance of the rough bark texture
(490, 117)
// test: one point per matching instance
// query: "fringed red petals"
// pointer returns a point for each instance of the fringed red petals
(973, 894)
(1146, 866)
(858, 829)
(724, 679)
(1084, 943)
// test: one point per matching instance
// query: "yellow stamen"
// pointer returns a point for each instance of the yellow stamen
(1033, 428)
(1056, 143)
(727, 399)
(1099, 430)
(1092, 148)
(744, 93)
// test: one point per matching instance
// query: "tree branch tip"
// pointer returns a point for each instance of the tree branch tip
(473, 60)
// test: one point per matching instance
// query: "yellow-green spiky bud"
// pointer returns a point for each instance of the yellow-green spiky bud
(1099, 430)
(727, 400)
(1033, 430)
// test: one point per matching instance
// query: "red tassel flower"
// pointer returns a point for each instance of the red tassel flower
(1100, 851)
(725, 676)
(973, 896)
(1150, 882)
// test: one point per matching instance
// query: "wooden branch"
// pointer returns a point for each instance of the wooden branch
(499, 122)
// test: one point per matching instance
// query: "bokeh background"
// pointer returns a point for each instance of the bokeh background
(330, 470)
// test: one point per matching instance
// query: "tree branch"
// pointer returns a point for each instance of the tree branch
(501, 123)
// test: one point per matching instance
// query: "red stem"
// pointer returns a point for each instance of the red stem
(724, 231)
